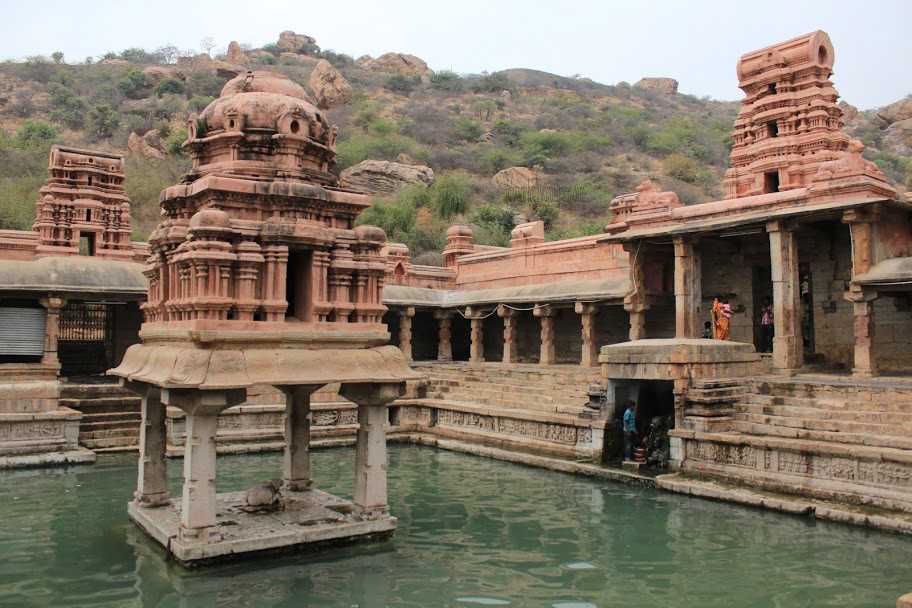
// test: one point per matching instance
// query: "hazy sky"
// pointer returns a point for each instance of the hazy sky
(696, 41)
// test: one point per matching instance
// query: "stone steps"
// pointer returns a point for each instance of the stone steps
(812, 413)
(831, 404)
(102, 405)
(111, 415)
(901, 442)
(543, 389)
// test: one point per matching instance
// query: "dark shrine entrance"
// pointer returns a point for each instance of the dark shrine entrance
(762, 294)
(93, 336)
(654, 400)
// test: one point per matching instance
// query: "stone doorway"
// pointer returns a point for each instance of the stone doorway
(762, 288)
(85, 345)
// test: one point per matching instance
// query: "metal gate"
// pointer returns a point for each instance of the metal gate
(85, 339)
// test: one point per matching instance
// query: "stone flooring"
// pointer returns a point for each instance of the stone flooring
(309, 518)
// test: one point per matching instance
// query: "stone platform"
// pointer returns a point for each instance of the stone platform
(34, 429)
(309, 519)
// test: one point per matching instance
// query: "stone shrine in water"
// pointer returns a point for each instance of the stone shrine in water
(258, 275)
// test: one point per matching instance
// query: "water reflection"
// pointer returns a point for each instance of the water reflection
(473, 532)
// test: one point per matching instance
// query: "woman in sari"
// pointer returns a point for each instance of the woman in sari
(721, 314)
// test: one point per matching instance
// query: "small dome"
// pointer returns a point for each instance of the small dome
(210, 218)
(263, 82)
(370, 233)
(397, 249)
(459, 230)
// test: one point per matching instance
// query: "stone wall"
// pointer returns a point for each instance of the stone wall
(568, 336)
(570, 260)
(660, 320)
(893, 332)
(528, 338)
(826, 250)
(612, 325)
(727, 269)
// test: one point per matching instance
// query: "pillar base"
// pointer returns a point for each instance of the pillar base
(306, 519)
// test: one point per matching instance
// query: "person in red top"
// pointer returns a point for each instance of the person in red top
(766, 326)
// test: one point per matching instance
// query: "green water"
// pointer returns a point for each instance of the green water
(472, 532)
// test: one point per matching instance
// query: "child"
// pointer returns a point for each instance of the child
(708, 330)
(630, 430)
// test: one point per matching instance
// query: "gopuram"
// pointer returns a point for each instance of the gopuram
(257, 275)
(54, 281)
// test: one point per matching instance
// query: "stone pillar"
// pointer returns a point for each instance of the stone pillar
(637, 314)
(296, 458)
(405, 331)
(198, 500)
(52, 329)
(788, 350)
(865, 362)
(509, 332)
(688, 288)
(152, 481)
(444, 335)
(476, 348)
(370, 496)
(546, 315)
(861, 231)
(587, 312)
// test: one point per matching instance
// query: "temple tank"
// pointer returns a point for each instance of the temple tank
(472, 532)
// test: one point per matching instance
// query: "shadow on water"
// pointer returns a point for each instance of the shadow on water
(472, 532)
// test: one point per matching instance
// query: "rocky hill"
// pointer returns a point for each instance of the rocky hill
(436, 147)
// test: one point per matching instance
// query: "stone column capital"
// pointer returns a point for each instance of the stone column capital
(586, 308)
(861, 215)
(203, 403)
(376, 394)
(505, 312)
(443, 313)
(53, 303)
(299, 390)
(546, 311)
(408, 311)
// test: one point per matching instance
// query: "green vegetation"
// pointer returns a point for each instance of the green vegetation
(588, 142)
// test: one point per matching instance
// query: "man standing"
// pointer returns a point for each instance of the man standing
(630, 430)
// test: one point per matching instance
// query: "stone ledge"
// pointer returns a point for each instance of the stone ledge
(829, 511)
(800, 445)
(518, 414)
(48, 459)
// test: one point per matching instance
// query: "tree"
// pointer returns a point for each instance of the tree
(207, 44)
(57, 56)
(167, 53)
(169, 85)
(133, 85)
(103, 121)
(35, 134)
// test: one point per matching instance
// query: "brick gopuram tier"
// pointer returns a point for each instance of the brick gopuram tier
(257, 274)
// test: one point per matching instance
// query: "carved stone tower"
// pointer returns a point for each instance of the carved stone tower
(789, 122)
(258, 275)
(83, 209)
